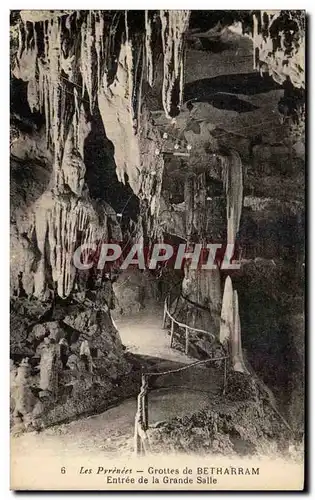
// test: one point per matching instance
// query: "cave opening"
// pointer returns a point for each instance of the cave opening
(101, 176)
(21, 112)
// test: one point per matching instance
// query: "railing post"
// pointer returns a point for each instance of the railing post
(141, 420)
(172, 331)
(145, 402)
(164, 314)
(137, 438)
(187, 340)
(137, 441)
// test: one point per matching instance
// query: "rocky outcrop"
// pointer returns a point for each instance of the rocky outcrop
(66, 358)
(279, 44)
(240, 423)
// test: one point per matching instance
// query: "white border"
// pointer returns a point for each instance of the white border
(4, 183)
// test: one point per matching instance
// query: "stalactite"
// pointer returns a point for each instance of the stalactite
(189, 206)
(67, 58)
(232, 173)
(152, 167)
(174, 24)
(99, 27)
(86, 59)
(200, 193)
(283, 56)
(129, 61)
(64, 223)
(148, 47)
(58, 78)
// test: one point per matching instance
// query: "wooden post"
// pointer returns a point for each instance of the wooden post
(137, 438)
(172, 331)
(141, 420)
(187, 340)
(137, 441)
(145, 407)
(164, 315)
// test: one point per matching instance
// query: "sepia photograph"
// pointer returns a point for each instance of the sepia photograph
(157, 250)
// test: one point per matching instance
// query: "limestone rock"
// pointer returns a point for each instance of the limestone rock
(50, 367)
(24, 400)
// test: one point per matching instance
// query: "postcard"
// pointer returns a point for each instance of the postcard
(157, 256)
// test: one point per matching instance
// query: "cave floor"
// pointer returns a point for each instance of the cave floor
(111, 433)
(142, 334)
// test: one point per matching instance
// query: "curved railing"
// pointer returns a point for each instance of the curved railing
(141, 441)
(188, 329)
(142, 445)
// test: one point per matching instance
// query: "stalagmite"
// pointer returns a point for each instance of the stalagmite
(85, 352)
(227, 312)
(233, 182)
(60, 225)
(51, 51)
(24, 399)
(236, 348)
(230, 326)
(72, 362)
(49, 367)
(89, 63)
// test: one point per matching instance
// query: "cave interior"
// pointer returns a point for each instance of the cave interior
(158, 126)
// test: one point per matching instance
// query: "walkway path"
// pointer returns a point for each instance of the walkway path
(111, 433)
(143, 334)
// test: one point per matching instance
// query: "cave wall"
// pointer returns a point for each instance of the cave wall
(270, 142)
(76, 86)
(67, 357)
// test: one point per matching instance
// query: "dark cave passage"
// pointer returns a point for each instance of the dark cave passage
(101, 176)
(247, 84)
(20, 109)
